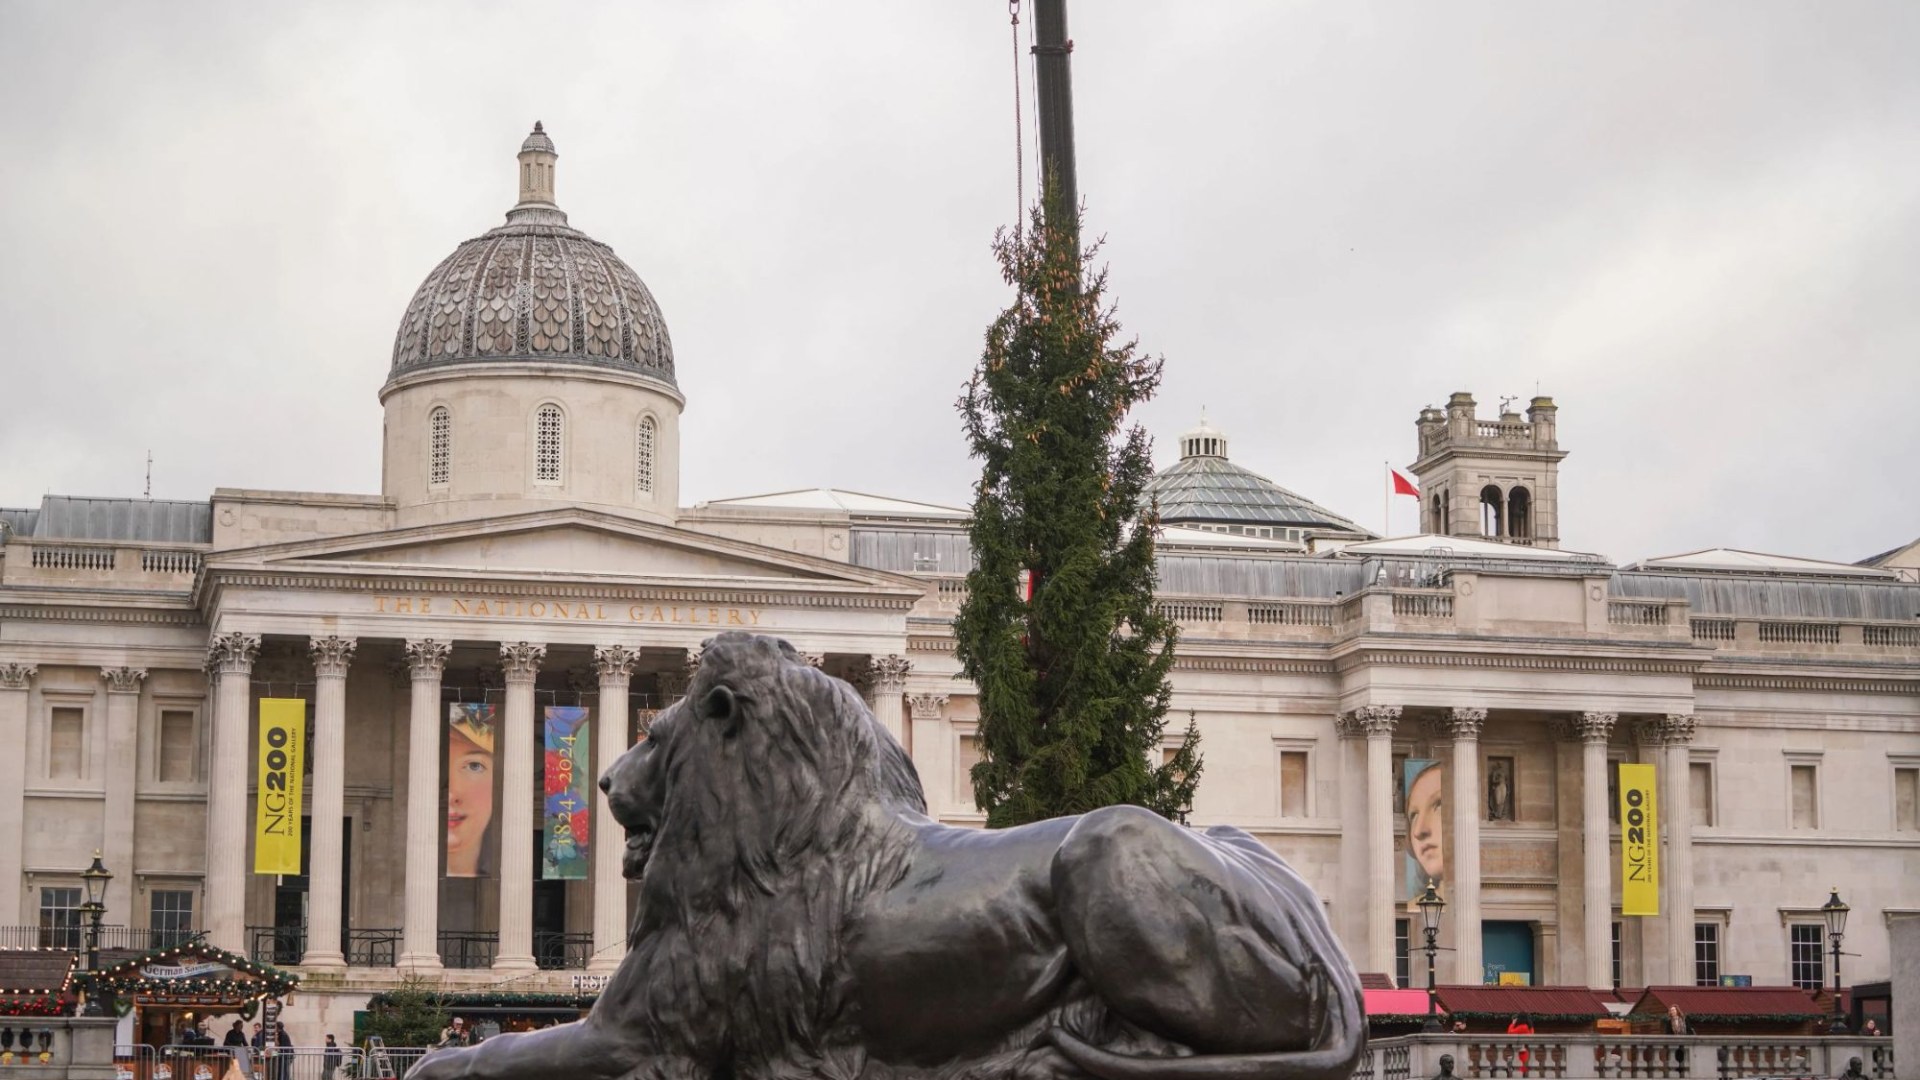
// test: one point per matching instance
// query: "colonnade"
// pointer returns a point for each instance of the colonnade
(1663, 741)
(230, 659)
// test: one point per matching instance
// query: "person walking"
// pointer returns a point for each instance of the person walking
(1676, 1021)
(330, 1059)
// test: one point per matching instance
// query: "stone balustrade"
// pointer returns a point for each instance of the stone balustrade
(1605, 1057)
(80, 562)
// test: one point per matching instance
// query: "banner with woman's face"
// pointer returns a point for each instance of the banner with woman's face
(1426, 857)
(471, 850)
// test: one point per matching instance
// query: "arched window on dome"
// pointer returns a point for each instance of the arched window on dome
(440, 446)
(643, 457)
(549, 443)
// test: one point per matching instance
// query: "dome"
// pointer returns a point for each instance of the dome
(534, 290)
(1205, 489)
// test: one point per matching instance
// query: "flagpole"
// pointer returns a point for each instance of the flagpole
(1386, 502)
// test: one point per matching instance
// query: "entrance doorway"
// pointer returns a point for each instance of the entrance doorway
(287, 938)
(1506, 950)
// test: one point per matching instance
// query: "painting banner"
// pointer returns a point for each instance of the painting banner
(563, 852)
(276, 819)
(1425, 785)
(470, 729)
(1639, 842)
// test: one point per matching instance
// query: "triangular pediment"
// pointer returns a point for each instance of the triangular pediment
(568, 543)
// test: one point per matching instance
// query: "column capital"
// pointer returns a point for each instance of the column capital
(232, 654)
(889, 673)
(1465, 722)
(927, 706)
(427, 658)
(331, 655)
(1593, 727)
(1377, 721)
(520, 660)
(614, 661)
(17, 676)
(123, 680)
(1677, 728)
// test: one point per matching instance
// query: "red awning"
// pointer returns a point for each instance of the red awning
(1396, 1002)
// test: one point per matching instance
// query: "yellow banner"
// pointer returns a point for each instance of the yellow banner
(276, 820)
(1639, 842)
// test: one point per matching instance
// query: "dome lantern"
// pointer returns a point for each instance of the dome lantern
(537, 157)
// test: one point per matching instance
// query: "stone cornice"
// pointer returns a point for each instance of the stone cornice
(798, 595)
(184, 616)
(1255, 665)
(1726, 680)
(1518, 662)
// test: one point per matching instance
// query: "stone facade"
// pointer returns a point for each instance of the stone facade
(1778, 702)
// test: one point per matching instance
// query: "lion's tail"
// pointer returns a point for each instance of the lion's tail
(1343, 1037)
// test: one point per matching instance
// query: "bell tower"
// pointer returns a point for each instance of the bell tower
(1491, 479)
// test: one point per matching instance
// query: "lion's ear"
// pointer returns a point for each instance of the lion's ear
(720, 706)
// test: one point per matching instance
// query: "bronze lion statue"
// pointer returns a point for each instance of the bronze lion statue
(801, 916)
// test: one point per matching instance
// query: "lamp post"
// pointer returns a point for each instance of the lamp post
(1835, 911)
(1430, 906)
(96, 878)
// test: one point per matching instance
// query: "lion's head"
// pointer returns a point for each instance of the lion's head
(765, 758)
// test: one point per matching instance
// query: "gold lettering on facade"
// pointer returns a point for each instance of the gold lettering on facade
(562, 609)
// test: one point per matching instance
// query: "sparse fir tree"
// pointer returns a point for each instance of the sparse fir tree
(1059, 630)
(411, 1014)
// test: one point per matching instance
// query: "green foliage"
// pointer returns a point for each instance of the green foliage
(413, 1014)
(1073, 683)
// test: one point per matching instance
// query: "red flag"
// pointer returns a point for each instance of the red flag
(1402, 485)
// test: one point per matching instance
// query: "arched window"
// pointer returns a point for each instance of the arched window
(1434, 525)
(440, 443)
(1492, 512)
(1520, 514)
(549, 442)
(643, 457)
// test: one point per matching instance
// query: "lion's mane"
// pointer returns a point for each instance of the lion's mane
(778, 821)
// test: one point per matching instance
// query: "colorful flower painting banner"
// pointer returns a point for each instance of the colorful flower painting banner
(563, 853)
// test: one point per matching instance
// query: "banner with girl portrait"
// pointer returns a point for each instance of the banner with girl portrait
(1426, 858)
(472, 844)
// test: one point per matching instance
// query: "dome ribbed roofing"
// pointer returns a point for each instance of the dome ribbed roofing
(1205, 487)
(534, 289)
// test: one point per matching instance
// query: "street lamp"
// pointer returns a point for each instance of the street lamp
(1835, 911)
(96, 878)
(1430, 907)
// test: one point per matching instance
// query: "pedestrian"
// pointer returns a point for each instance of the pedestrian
(330, 1060)
(1870, 1029)
(455, 1034)
(1676, 1021)
(236, 1035)
(1520, 1025)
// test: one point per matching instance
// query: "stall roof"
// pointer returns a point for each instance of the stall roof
(1558, 1002)
(35, 971)
(1781, 1001)
(1395, 1002)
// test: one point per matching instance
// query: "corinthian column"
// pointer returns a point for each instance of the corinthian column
(331, 657)
(1677, 738)
(1378, 721)
(889, 674)
(1596, 886)
(230, 660)
(123, 743)
(520, 662)
(426, 829)
(15, 680)
(615, 666)
(1464, 835)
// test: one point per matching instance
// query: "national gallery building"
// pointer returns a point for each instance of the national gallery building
(469, 646)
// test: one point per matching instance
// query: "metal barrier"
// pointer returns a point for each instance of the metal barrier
(176, 1062)
(468, 948)
(386, 1062)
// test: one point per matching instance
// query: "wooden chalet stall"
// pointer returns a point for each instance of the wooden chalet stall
(35, 985)
(1548, 1009)
(1731, 1010)
(170, 989)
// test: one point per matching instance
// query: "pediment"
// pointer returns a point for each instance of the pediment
(563, 544)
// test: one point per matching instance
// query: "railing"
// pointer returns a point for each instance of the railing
(383, 1061)
(468, 948)
(1606, 1057)
(375, 947)
(1800, 633)
(562, 952)
(1290, 614)
(1435, 605)
(176, 1062)
(73, 558)
(170, 561)
(1896, 636)
(1503, 429)
(74, 938)
(950, 590)
(279, 945)
(1637, 612)
(1712, 629)
(1187, 611)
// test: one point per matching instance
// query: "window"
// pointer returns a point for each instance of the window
(1906, 799)
(178, 746)
(440, 436)
(643, 457)
(1700, 793)
(1805, 962)
(1617, 952)
(549, 438)
(1519, 513)
(60, 918)
(1492, 512)
(66, 731)
(1293, 783)
(1706, 954)
(1402, 953)
(170, 917)
(1804, 789)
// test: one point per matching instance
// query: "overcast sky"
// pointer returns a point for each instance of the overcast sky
(1696, 226)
